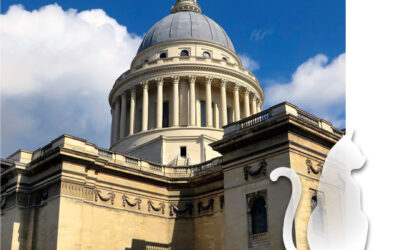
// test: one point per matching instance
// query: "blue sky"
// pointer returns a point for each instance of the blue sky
(295, 48)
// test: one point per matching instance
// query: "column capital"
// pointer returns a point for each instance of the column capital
(246, 92)
(224, 82)
(236, 86)
(175, 78)
(133, 89)
(254, 97)
(209, 79)
(159, 80)
(192, 78)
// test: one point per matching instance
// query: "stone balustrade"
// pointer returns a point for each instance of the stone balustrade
(67, 143)
(284, 108)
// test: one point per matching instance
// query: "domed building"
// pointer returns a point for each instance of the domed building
(189, 160)
(184, 85)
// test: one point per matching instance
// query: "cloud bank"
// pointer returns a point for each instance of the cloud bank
(57, 67)
(318, 86)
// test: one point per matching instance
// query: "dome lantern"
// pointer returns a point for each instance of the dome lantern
(185, 5)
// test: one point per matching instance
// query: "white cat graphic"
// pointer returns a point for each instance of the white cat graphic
(337, 223)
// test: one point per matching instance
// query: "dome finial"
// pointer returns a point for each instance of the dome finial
(186, 5)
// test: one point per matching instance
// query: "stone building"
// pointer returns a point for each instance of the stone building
(189, 159)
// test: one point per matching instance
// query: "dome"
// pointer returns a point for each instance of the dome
(186, 25)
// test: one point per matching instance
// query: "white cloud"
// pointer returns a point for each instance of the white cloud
(317, 86)
(259, 34)
(57, 69)
(249, 63)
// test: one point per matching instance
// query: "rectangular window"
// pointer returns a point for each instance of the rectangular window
(165, 119)
(183, 152)
(203, 113)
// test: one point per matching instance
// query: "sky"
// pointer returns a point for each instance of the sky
(59, 59)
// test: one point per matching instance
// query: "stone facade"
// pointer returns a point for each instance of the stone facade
(71, 194)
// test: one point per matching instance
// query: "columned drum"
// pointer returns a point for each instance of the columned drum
(183, 86)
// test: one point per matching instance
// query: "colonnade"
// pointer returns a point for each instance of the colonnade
(252, 105)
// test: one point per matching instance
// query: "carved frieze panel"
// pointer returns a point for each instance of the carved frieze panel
(150, 207)
(310, 167)
(181, 211)
(205, 208)
(260, 170)
(125, 201)
(109, 197)
(77, 190)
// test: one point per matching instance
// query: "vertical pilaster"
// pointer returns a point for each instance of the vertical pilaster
(132, 113)
(223, 103)
(160, 83)
(122, 125)
(208, 102)
(246, 103)
(192, 103)
(253, 105)
(236, 102)
(175, 118)
(145, 107)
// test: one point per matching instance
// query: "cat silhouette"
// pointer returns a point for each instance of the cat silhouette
(337, 222)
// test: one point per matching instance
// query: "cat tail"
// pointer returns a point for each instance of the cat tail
(293, 203)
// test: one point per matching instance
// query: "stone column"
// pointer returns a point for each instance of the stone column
(253, 105)
(175, 118)
(236, 101)
(122, 124)
(223, 103)
(208, 102)
(246, 103)
(132, 113)
(259, 106)
(192, 103)
(145, 107)
(160, 83)
(112, 124)
(117, 111)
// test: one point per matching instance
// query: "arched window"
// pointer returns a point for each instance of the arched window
(184, 53)
(206, 54)
(163, 55)
(258, 216)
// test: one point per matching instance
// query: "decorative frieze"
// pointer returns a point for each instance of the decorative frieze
(261, 170)
(150, 206)
(208, 208)
(110, 197)
(77, 190)
(125, 200)
(310, 167)
(174, 209)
